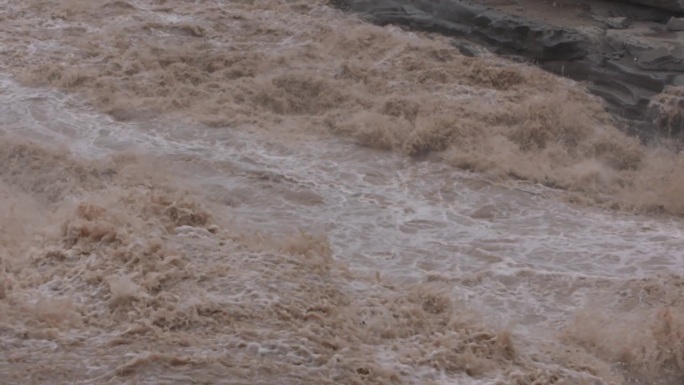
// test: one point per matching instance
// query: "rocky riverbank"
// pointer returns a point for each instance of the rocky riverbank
(629, 54)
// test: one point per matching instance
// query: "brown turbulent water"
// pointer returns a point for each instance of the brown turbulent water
(272, 192)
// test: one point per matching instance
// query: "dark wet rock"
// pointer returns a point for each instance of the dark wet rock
(661, 59)
(632, 13)
(453, 19)
(676, 24)
(669, 5)
(617, 22)
(469, 49)
(625, 53)
(508, 34)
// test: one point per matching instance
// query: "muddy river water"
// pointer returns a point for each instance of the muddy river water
(150, 237)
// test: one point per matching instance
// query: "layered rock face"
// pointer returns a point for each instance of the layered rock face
(627, 54)
(669, 5)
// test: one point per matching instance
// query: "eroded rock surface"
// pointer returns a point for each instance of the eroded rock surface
(670, 5)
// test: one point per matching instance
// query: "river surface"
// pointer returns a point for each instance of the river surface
(167, 248)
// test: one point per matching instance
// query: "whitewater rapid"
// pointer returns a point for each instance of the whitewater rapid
(182, 208)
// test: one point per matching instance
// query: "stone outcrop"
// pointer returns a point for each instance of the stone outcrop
(676, 24)
(626, 54)
(669, 5)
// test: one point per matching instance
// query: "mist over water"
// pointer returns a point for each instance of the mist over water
(261, 192)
